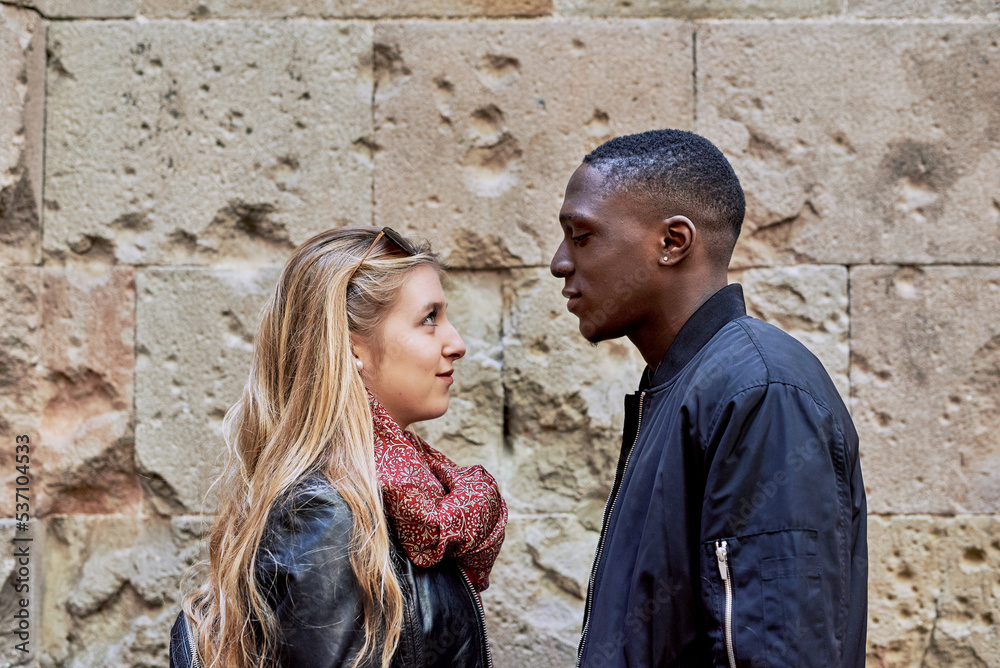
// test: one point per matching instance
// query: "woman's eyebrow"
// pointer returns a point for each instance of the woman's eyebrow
(439, 306)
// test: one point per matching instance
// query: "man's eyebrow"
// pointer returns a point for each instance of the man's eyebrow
(571, 217)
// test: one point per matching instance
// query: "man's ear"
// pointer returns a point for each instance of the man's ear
(677, 236)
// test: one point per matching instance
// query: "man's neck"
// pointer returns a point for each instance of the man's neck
(655, 336)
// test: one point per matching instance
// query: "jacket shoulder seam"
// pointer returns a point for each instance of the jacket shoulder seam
(819, 404)
(769, 380)
(730, 399)
(767, 375)
(756, 346)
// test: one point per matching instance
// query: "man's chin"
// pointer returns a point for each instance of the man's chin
(592, 333)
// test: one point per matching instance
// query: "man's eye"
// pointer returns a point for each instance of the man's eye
(579, 238)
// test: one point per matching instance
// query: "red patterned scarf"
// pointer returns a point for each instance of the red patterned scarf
(436, 506)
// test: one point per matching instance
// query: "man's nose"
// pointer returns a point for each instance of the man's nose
(561, 266)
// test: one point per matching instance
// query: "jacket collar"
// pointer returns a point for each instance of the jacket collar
(721, 308)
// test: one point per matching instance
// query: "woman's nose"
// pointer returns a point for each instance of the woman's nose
(455, 346)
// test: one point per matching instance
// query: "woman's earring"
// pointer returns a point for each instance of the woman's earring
(358, 363)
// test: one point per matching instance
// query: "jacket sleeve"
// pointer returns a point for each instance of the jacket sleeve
(782, 557)
(304, 571)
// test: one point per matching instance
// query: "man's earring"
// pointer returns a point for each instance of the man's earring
(358, 363)
(666, 259)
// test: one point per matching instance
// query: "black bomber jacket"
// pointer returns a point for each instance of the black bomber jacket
(304, 572)
(735, 531)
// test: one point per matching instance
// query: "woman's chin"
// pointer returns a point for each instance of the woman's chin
(438, 410)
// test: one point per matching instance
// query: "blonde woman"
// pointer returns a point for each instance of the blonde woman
(341, 538)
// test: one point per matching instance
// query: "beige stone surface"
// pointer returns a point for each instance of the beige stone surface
(534, 606)
(925, 373)
(20, 585)
(113, 588)
(480, 124)
(82, 9)
(923, 9)
(85, 460)
(201, 143)
(565, 406)
(69, 355)
(933, 595)
(22, 96)
(21, 368)
(202, 9)
(194, 340)
(700, 9)
(887, 153)
(471, 432)
(810, 303)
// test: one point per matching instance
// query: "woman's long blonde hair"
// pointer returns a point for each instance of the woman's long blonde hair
(304, 409)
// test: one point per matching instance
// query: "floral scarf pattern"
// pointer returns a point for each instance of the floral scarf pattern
(437, 507)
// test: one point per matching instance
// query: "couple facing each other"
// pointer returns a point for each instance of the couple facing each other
(734, 534)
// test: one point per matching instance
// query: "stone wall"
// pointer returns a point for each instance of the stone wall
(159, 159)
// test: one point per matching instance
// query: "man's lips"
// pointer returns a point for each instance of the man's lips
(572, 296)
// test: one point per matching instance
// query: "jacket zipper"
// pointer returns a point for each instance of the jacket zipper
(193, 642)
(481, 615)
(722, 556)
(609, 508)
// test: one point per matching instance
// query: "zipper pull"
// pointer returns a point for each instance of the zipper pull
(721, 554)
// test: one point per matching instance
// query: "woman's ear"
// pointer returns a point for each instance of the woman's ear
(677, 235)
(361, 350)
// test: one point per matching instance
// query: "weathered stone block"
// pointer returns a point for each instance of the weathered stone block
(83, 9)
(471, 432)
(923, 9)
(202, 9)
(202, 143)
(897, 166)
(20, 587)
(699, 9)
(564, 403)
(21, 369)
(810, 303)
(85, 454)
(481, 124)
(113, 587)
(925, 372)
(22, 97)
(933, 596)
(534, 606)
(194, 336)
(69, 352)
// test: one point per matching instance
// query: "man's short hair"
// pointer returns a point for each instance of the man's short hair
(677, 172)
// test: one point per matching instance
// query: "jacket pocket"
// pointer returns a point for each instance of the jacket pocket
(761, 595)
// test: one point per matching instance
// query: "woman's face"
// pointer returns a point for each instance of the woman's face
(413, 376)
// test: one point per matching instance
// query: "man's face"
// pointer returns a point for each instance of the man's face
(608, 257)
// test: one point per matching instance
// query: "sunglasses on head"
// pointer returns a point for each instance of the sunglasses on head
(393, 236)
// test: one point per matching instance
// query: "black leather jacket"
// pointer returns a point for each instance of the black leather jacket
(304, 572)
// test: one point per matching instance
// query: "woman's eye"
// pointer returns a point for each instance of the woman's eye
(431, 318)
